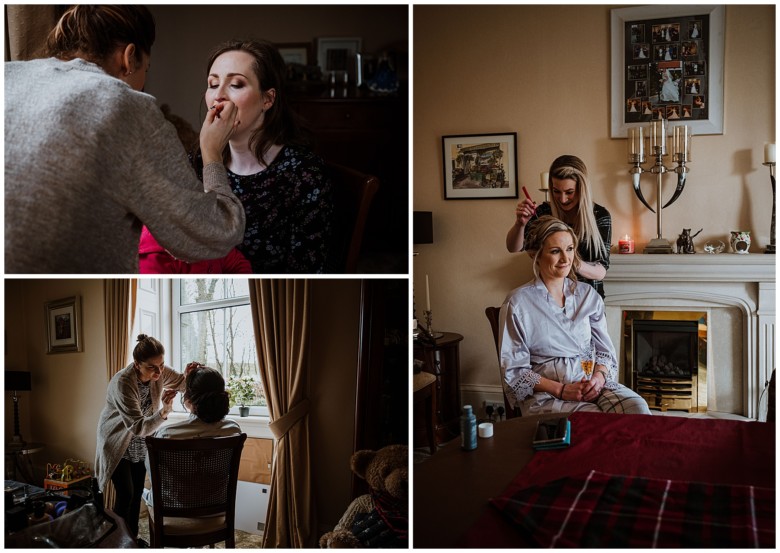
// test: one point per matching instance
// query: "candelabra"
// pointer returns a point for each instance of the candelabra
(681, 154)
(771, 164)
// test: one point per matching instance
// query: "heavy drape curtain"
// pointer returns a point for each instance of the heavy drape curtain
(280, 313)
(119, 298)
(26, 29)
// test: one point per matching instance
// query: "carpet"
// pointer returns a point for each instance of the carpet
(244, 540)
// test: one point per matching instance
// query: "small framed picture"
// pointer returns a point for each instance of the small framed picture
(295, 52)
(63, 325)
(338, 54)
(480, 166)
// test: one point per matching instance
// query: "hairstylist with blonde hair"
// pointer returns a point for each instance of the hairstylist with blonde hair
(572, 203)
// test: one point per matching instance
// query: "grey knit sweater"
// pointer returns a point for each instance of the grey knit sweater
(121, 418)
(88, 160)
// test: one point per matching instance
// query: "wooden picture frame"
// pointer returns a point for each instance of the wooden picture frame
(296, 52)
(667, 61)
(480, 166)
(63, 325)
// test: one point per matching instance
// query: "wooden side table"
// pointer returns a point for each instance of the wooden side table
(442, 359)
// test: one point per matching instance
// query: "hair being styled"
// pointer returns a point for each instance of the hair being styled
(95, 32)
(205, 391)
(539, 231)
(146, 348)
(281, 124)
(572, 167)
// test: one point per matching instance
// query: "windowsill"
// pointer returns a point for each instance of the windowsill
(255, 426)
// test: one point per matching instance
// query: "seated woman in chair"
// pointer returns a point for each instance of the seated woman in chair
(556, 354)
(208, 402)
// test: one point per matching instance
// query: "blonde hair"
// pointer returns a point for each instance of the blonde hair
(539, 231)
(572, 167)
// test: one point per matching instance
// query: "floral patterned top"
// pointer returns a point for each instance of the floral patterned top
(288, 213)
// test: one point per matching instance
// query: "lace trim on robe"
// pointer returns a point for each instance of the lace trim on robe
(524, 386)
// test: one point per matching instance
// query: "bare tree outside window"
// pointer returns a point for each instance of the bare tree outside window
(215, 328)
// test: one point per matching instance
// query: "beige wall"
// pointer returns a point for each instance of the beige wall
(68, 389)
(544, 72)
(187, 34)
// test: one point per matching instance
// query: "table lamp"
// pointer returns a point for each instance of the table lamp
(17, 381)
(422, 227)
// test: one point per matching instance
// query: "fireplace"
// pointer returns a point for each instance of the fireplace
(666, 358)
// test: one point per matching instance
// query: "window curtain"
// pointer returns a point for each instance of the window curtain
(119, 299)
(280, 314)
(26, 29)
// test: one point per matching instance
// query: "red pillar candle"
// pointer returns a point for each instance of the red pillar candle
(626, 244)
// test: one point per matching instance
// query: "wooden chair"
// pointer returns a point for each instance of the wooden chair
(423, 386)
(492, 314)
(353, 193)
(193, 490)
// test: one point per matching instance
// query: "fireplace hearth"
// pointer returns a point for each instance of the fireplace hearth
(666, 357)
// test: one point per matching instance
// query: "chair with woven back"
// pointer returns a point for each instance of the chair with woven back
(493, 314)
(193, 490)
(353, 193)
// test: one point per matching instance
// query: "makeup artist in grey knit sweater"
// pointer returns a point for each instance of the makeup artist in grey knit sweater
(138, 400)
(90, 158)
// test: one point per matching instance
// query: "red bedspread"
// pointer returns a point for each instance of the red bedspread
(715, 451)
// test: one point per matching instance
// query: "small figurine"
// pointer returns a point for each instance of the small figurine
(685, 241)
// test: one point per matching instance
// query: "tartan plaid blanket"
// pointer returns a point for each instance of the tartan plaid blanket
(605, 510)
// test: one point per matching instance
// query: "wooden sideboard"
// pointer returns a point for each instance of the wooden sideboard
(369, 133)
(442, 359)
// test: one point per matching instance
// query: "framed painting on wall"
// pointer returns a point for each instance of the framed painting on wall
(667, 62)
(63, 325)
(480, 166)
(338, 54)
(295, 52)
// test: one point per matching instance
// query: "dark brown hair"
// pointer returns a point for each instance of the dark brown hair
(94, 32)
(205, 390)
(281, 124)
(146, 348)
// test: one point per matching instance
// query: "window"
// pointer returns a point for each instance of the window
(210, 321)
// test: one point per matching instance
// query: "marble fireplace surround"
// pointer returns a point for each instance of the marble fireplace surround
(738, 294)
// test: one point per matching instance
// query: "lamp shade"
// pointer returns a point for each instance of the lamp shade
(422, 227)
(18, 381)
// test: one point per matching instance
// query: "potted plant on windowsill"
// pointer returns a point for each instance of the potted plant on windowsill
(243, 391)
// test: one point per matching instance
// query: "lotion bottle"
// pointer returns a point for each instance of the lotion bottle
(468, 429)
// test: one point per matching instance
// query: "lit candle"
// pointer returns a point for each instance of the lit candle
(626, 244)
(427, 294)
(545, 178)
(769, 152)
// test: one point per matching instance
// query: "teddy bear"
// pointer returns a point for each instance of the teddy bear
(379, 518)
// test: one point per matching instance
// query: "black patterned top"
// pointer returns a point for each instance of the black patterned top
(136, 451)
(604, 224)
(288, 210)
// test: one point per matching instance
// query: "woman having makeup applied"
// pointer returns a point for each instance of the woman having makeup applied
(90, 158)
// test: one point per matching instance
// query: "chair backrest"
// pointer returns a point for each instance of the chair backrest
(194, 477)
(492, 314)
(353, 193)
